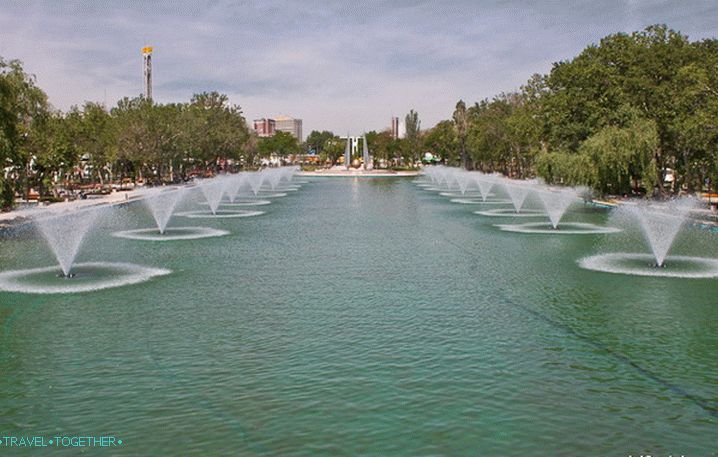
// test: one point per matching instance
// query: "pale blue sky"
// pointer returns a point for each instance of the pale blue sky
(338, 65)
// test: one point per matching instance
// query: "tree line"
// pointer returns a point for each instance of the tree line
(384, 147)
(634, 114)
(50, 151)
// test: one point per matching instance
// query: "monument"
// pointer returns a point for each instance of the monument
(352, 148)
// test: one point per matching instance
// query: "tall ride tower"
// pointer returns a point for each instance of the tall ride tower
(147, 55)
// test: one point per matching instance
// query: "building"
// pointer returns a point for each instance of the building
(289, 125)
(264, 127)
(394, 127)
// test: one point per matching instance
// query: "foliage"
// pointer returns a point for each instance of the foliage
(281, 144)
(316, 141)
(411, 148)
(45, 150)
(619, 116)
(461, 126)
(23, 108)
(442, 141)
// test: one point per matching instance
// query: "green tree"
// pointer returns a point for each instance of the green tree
(622, 157)
(217, 128)
(23, 106)
(333, 149)
(382, 147)
(316, 140)
(442, 141)
(413, 137)
(461, 126)
(95, 136)
(149, 138)
(281, 144)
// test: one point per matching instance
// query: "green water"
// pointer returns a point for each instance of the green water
(362, 317)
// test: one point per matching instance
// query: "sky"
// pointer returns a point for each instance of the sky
(344, 66)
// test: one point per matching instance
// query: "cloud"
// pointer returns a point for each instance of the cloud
(339, 65)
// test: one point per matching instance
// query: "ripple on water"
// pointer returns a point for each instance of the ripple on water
(511, 212)
(467, 194)
(220, 214)
(643, 265)
(170, 234)
(89, 276)
(263, 194)
(480, 201)
(244, 202)
(565, 228)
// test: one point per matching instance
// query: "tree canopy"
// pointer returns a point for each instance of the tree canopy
(620, 116)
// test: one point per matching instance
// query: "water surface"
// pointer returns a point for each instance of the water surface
(363, 316)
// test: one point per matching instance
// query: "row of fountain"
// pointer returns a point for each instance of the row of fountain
(659, 223)
(65, 231)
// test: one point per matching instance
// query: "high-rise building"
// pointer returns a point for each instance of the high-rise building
(289, 125)
(264, 127)
(394, 127)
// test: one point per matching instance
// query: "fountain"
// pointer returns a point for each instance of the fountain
(89, 277)
(485, 184)
(567, 228)
(480, 201)
(162, 203)
(556, 203)
(517, 191)
(220, 214)
(267, 183)
(234, 183)
(273, 176)
(438, 176)
(463, 178)
(172, 234)
(659, 226)
(213, 190)
(65, 233)
(255, 181)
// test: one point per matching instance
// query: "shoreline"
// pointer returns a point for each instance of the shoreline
(354, 173)
(23, 215)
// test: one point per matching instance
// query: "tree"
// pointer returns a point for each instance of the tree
(316, 140)
(413, 132)
(149, 137)
(95, 137)
(333, 149)
(383, 146)
(22, 107)
(615, 160)
(218, 128)
(622, 157)
(281, 144)
(461, 125)
(442, 141)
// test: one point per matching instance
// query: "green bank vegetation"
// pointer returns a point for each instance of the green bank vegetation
(52, 153)
(635, 113)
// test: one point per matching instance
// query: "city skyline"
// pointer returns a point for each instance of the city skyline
(337, 66)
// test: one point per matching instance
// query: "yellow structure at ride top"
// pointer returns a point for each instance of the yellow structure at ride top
(147, 70)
